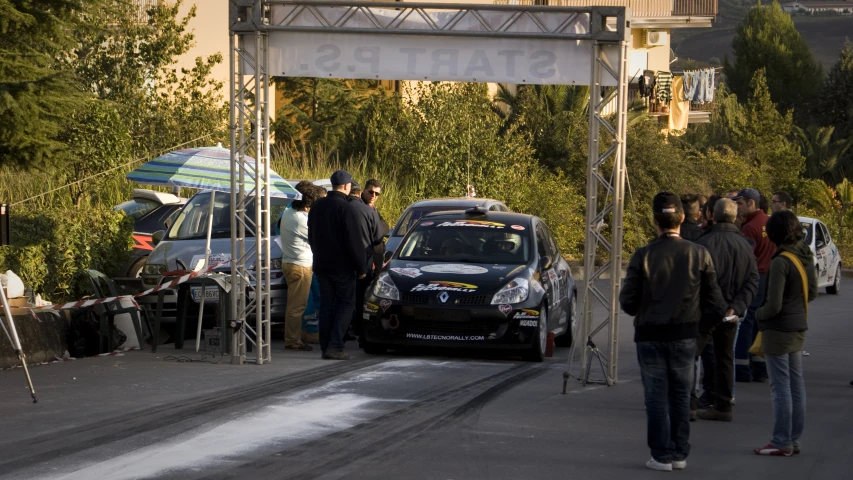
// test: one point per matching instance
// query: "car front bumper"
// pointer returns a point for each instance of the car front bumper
(482, 326)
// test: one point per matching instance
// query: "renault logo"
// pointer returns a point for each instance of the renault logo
(443, 297)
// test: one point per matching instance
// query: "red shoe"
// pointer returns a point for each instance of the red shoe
(773, 451)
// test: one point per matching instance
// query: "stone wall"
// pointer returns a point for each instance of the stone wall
(42, 338)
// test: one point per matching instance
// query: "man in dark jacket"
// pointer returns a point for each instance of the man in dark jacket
(737, 276)
(334, 233)
(371, 232)
(690, 228)
(668, 284)
(748, 367)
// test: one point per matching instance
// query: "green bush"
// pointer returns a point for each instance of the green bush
(51, 250)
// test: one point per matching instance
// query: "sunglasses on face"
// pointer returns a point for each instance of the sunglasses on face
(373, 193)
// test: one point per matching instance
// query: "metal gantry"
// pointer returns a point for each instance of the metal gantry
(599, 34)
(250, 137)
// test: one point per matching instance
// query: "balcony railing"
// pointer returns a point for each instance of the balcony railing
(142, 8)
(639, 8)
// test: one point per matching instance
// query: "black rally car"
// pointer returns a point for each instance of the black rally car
(475, 279)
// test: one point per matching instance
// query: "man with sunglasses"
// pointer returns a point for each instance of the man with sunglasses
(371, 193)
(371, 232)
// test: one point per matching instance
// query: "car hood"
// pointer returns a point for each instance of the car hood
(458, 279)
(171, 252)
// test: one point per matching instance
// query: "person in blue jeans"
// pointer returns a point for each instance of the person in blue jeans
(670, 282)
(783, 321)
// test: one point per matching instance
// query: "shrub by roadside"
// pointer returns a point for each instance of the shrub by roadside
(51, 250)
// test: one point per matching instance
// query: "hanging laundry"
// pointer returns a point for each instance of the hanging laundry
(691, 85)
(663, 86)
(679, 108)
(709, 85)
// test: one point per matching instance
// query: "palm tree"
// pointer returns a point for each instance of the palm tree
(824, 157)
(845, 195)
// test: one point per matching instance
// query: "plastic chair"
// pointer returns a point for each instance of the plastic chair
(108, 311)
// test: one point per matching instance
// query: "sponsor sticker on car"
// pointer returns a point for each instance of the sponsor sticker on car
(371, 307)
(407, 272)
(443, 286)
(472, 223)
(444, 338)
(528, 323)
(213, 259)
(527, 314)
(505, 309)
(457, 268)
(517, 227)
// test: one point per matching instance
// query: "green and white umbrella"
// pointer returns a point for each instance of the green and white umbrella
(204, 168)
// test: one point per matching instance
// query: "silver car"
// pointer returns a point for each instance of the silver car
(183, 245)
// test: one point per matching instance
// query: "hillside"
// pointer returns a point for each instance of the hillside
(825, 35)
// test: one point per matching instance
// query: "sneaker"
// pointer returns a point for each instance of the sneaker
(656, 465)
(805, 353)
(299, 346)
(335, 356)
(732, 401)
(714, 414)
(773, 451)
(706, 402)
(679, 464)
(796, 449)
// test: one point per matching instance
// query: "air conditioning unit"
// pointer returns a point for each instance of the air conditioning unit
(655, 38)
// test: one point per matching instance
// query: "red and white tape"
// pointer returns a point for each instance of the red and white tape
(88, 303)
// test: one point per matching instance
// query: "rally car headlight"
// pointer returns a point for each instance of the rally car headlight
(515, 291)
(385, 288)
(154, 269)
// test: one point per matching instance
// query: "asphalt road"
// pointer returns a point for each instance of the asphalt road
(419, 415)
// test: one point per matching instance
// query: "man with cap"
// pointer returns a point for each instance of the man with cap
(669, 284)
(747, 367)
(334, 227)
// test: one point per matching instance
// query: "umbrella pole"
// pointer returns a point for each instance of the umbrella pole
(206, 260)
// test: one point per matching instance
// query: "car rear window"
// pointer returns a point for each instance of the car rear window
(137, 208)
(192, 221)
(473, 241)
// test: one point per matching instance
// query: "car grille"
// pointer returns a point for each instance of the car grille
(472, 300)
(414, 298)
(448, 328)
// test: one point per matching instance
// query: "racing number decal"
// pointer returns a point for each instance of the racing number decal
(143, 242)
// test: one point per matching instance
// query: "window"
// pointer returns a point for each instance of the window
(825, 233)
(820, 240)
(466, 241)
(137, 208)
(542, 244)
(192, 221)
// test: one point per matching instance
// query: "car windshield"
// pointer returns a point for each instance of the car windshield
(473, 241)
(192, 221)
(413, 215)
(807, 232)
(137, 208)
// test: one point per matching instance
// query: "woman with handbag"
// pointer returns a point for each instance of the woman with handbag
(783, 321)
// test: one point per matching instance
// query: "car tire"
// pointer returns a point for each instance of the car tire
(135, 270)
(566, 339)
(835, 287)
(371, 348)
(540, 339)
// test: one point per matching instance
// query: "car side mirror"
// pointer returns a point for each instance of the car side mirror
(387, 257)
(157, 236)
(545, 262)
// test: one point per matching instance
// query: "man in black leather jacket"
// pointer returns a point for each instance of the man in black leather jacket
(690, 228)
(737, 275)
(669, 283)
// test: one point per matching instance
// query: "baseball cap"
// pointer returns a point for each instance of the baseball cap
(667, 202)
(341, 177)
(749, 193)
(356, 185)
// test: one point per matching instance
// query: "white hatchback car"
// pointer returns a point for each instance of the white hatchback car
(827, 259)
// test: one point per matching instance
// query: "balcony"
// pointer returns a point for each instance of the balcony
(646, 13)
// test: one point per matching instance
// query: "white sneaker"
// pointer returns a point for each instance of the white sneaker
(656, 465)
(805, 353)
(679, 464)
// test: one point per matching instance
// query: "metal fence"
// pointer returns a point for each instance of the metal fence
(639, 8)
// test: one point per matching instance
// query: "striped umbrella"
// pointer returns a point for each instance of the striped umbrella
(204, 168)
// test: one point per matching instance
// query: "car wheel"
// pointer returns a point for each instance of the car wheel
(135, 270)
(835, 287)
(566, 339)
(371, 348)
(540, 339)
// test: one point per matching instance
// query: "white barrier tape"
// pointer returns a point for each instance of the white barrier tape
(88, 303)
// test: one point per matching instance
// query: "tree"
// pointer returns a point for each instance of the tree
(36, 92)
(767, 39)
(836, 102)
(823, 153)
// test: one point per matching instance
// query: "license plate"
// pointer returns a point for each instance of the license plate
(439, 315)
(211, 294)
